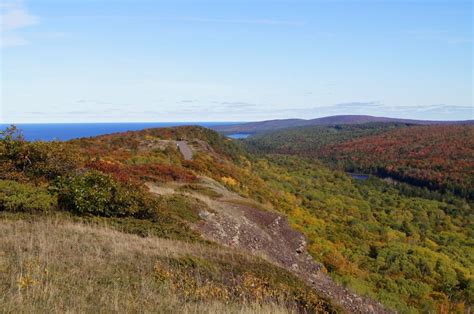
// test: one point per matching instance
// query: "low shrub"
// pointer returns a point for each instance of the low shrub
(51, 159)
(96, 193)
(118, 171)
(21, 197)
(164, 173)
(23, 160)
(127, 206)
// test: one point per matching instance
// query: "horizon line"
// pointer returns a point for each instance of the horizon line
(241, 121)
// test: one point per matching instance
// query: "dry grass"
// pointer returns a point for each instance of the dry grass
(52, 265)
(159, 189)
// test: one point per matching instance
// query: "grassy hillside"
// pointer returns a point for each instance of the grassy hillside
(51, 264)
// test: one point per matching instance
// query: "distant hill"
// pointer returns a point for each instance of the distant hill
(271, 125)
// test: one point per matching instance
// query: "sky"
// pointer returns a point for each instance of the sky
(194, 60)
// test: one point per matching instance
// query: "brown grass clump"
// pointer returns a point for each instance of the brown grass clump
(55, 265)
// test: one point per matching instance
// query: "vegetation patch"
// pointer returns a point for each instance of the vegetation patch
(95, 193)
(23, 197)
(438, 157)
(374, 238)
(162, 227)
(38, 161)
(143, 172)
(111, 271)
(184, 207)
(238, 279)
(201, 189)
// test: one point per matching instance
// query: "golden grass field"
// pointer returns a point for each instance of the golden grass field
(53, 265)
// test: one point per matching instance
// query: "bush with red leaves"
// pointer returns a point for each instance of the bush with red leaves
(147, 172)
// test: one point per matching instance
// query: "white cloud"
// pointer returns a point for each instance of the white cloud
(14, 16)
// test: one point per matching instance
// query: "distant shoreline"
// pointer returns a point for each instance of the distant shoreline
(69, 131)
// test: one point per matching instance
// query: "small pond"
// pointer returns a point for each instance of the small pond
(358, 176)
(239, 135)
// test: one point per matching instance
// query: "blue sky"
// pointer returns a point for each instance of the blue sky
(97, 60)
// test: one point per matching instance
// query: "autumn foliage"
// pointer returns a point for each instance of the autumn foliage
(438, 157)
(148, 172)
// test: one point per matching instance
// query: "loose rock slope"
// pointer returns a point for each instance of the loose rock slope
(241, 223)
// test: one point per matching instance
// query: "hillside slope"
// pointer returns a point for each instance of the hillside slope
(409, 253)
(176, 209)
(55, 265)
(239, 222)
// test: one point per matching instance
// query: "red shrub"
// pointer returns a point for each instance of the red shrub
(147, 172)
(116, 170)
(163, 173)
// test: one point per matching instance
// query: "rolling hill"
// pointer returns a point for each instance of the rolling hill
(272, 125)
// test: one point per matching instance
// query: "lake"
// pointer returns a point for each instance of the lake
(239, 135)
(67, 131)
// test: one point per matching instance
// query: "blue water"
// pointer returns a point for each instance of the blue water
(359, 176)
(239, 135)
(67, 131)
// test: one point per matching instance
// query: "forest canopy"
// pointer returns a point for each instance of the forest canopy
(439, 157)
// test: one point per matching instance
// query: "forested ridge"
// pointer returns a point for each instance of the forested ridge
(309, 140)
(438, 157)
(397, 243)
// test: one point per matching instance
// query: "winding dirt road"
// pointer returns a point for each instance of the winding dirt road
(185, 150)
